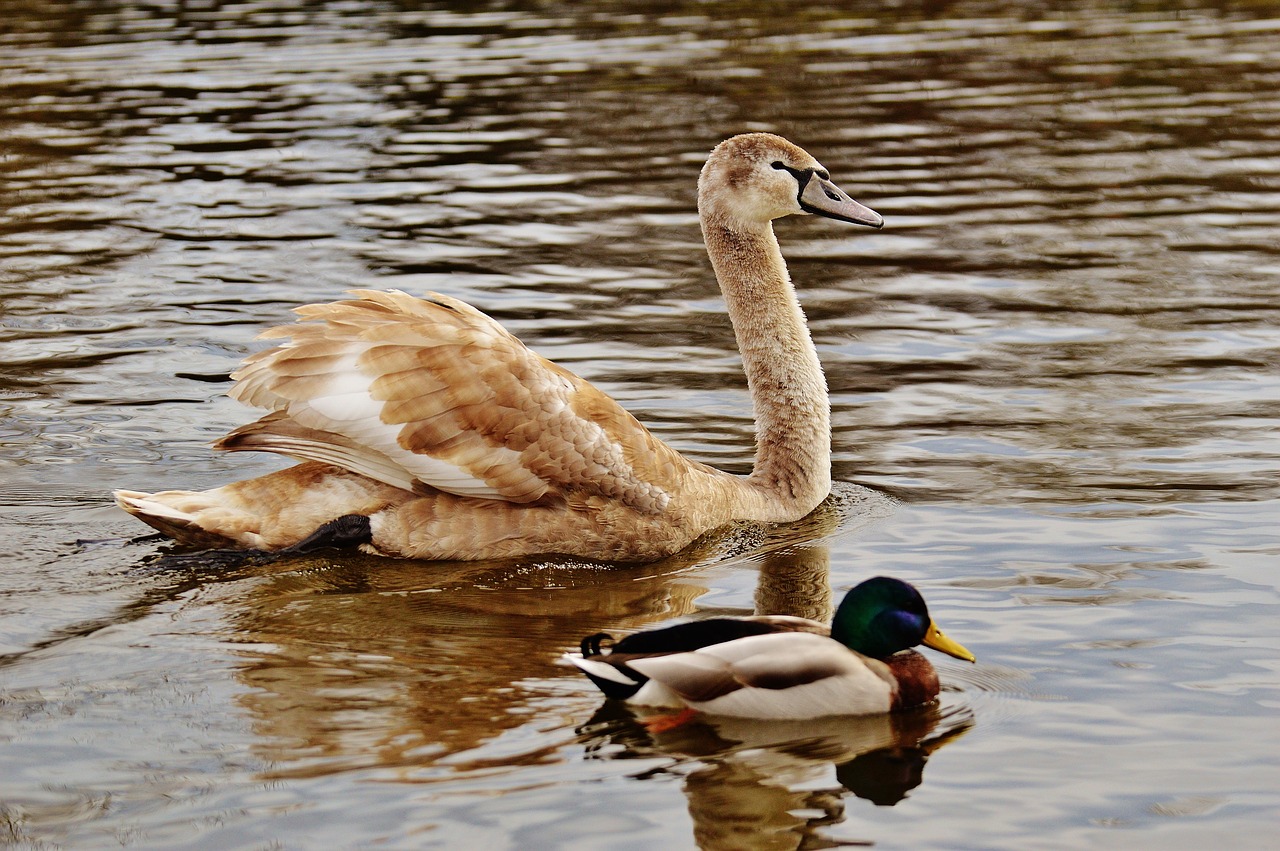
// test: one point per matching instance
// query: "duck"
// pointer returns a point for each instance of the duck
(780, 667)
(425, 430)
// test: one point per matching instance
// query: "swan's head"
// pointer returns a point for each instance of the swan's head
(757, 177)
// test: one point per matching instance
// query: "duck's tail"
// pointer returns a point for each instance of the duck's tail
(619, 683)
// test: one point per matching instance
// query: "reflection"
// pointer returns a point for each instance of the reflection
(422, 666)
(776, 784)
(375, 663)
(795, 560)
(796, 582)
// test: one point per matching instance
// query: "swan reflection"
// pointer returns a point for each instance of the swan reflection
(364, 662)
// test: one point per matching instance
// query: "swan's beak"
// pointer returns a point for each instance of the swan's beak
(823, 198)
(935, 639)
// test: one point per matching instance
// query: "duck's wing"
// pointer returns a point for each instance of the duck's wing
(778, 675)
(432, 394)
(611, 672)
(693, 635)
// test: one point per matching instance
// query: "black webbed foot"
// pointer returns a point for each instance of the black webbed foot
(345, 532)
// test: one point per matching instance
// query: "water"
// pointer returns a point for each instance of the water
(1054, 379)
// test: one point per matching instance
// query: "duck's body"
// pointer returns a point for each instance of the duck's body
(779, 667)
(426, 430)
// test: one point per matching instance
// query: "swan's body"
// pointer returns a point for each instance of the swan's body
(782, 667)
(431, 432)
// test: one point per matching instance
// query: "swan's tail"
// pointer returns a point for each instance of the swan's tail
(271, 512)
(178, 515)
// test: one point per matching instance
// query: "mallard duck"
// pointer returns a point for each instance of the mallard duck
(426, 430)
(782, 667)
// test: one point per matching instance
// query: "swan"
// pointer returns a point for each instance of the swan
(425, 430)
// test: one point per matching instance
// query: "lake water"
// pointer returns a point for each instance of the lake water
(1056, 402)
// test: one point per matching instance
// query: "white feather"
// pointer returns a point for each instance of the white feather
(601, 670)
(347, 408)
(139, 501)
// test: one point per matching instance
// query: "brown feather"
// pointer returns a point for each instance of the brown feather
(916, 679)
(797, 673)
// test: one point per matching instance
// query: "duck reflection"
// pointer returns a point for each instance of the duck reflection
(761, 784)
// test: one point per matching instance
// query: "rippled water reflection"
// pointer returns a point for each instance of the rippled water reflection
(1060, 355)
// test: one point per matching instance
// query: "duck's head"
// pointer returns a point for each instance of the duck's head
(883, 615)
(757, 177)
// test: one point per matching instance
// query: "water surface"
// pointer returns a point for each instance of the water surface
(1055, 379)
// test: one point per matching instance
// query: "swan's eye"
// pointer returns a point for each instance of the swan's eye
(778, 164)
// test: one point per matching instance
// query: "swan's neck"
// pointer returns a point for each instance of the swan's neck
(793, 420)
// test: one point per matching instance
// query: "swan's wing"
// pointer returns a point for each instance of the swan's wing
(431, 393)
(781, 675)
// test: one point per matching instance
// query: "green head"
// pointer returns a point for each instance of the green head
(883, 615)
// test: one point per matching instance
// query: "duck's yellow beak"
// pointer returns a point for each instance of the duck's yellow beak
(935, 639)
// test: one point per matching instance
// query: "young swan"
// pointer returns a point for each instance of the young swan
(782, 667)
(425, 430)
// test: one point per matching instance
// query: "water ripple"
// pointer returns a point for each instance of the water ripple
(1060, 355)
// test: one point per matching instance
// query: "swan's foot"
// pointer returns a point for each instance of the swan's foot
(122, 542)
(345, 532)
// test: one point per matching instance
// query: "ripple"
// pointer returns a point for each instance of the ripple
(1058, 360)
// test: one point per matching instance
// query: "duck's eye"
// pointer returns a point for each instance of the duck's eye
(778, 164)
